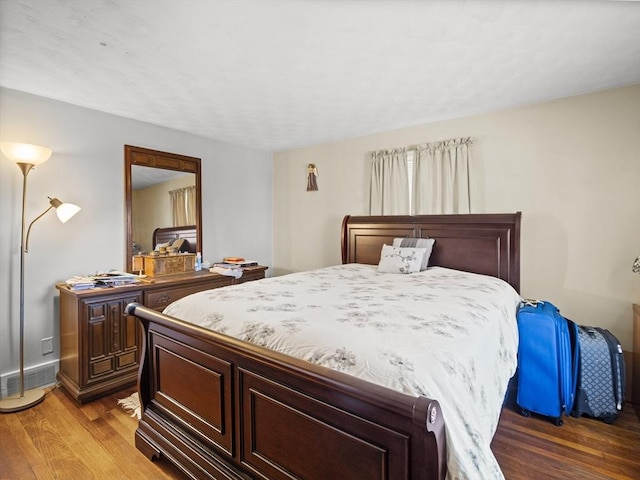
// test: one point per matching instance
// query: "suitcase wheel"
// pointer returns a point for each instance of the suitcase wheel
(525, 413)
(558, 421)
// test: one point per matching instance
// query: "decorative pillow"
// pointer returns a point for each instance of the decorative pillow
(426, 243)
(400, 260)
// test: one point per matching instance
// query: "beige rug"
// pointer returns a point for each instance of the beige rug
(131, 404)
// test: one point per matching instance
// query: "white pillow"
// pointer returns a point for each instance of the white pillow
(400, 259)
(426, 243)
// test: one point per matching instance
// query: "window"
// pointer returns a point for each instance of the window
(430, 178)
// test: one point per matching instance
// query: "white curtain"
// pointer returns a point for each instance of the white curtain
(389, 192)
(441, 177)
(183, 206)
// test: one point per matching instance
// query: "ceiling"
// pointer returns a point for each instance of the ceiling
(276, 75)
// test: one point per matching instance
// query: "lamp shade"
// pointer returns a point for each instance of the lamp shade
(25, 152)
(64, 210)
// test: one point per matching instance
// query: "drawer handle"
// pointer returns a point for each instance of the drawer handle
(116, 327)
(164, 298)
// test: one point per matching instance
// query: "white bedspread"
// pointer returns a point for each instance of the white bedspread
(385, 328)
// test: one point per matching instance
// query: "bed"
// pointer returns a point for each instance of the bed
(224, 408)
(162, 236)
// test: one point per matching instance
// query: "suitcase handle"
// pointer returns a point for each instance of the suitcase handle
(529, 302)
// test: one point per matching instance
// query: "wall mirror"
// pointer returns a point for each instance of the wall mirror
(150, 176)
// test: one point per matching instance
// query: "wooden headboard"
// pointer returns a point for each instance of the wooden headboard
(480, 243)
(168, 234)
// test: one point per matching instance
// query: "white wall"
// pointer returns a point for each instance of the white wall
(87, 168)
(571, 166)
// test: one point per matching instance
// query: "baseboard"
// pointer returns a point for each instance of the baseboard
(42, 375)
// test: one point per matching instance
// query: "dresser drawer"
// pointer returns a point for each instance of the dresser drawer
(101, 367)
(250, 275)
(160, 298)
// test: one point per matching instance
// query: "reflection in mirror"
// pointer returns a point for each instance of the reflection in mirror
(159, 198)
(161, 190)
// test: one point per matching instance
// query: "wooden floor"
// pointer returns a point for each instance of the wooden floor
(58, 439)
(582, 448)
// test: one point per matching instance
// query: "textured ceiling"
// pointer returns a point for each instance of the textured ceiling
(277, 75)
(143, 177)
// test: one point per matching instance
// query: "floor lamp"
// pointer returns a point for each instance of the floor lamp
(26, 157)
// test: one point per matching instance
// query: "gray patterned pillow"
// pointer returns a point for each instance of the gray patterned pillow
(426, 243)
(400, 260)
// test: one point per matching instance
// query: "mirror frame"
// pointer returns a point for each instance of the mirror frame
(155, 159)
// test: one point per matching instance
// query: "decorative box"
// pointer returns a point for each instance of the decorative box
(157, 265)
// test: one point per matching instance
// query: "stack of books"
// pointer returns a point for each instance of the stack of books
(109, 279)
(80, 283)
(114, 278)
(235, 262)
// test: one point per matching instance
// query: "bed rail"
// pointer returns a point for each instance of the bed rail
(219, 407)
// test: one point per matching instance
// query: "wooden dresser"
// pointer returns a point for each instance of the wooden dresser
(100, 346)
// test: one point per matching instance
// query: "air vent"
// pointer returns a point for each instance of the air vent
(36, 377)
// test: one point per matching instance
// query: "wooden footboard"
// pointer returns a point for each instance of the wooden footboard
(220, 408)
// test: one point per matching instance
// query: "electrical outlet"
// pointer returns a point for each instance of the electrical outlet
(47, 345)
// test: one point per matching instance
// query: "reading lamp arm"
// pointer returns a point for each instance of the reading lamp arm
(26, 243)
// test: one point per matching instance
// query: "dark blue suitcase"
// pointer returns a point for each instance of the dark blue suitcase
(601, 383)
(547, 361)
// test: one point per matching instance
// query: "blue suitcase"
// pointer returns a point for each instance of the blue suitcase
(548, 354)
